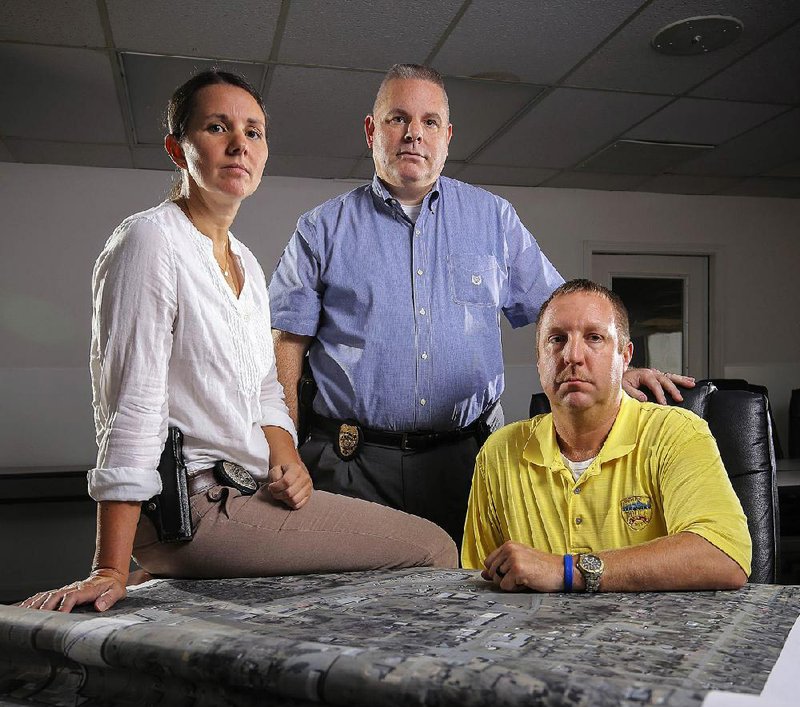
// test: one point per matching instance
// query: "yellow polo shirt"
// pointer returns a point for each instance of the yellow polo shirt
(659, 473)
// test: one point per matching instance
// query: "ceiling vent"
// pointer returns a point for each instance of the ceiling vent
(697, 35)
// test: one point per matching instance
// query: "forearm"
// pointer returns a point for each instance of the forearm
(116, 528)
(684, 561)
(289, 480)
(281, 446)
(290, 349)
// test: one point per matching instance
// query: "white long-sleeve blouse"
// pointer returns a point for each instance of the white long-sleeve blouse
(173, 346)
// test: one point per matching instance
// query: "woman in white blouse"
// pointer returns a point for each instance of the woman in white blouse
(181, 338)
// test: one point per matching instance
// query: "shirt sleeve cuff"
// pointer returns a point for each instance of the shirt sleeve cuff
(277, 418)
(294, 326)
(740, 553)
(123, 483)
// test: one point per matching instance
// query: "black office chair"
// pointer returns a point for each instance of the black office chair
(741, 384)
(794, 424)
(740, 422)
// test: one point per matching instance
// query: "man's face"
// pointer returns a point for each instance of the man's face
(409, 134)
(579, 359)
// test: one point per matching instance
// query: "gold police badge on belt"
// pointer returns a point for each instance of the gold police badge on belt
(348, 440)
(637, 511)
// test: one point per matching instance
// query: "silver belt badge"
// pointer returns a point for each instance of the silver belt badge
(236, 476)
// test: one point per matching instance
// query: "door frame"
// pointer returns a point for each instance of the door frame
(716, 254)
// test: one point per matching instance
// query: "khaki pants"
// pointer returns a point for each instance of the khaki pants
(252, 536)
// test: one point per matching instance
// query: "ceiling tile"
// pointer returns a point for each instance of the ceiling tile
(74, 23)
(320, 111)
(151, 157)
(58, 94)
(768, 74)
(568, 126)
(479, 108)
(241, 30)
(308, 166)
(768, 146)
(527, 39)
(152, 79)
(765, 186)
(453, 168)
(88, 155)
(371, 34)
(505, 176)
(628, 62)
(701, 121)
(790, 169)
(69, 94)
(684, 184)
(589, 180)
(637, 157)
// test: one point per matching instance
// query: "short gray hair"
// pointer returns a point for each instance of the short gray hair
(412, 71)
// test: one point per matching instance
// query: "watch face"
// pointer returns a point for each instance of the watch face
(591, 563)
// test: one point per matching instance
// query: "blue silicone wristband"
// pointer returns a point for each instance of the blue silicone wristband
(568, 567)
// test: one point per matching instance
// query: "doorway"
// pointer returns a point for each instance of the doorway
(667, 297)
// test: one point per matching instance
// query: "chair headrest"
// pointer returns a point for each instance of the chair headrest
(694, 399)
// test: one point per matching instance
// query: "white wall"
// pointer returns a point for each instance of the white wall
(55, 220)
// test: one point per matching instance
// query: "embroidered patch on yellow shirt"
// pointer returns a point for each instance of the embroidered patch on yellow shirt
(637, 511)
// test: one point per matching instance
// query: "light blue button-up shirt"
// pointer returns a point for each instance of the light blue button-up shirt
(406, 316)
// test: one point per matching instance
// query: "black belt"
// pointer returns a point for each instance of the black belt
(410, 441)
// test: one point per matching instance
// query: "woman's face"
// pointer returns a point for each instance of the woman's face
(224, 149)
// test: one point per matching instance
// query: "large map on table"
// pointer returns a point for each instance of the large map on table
(394, 638)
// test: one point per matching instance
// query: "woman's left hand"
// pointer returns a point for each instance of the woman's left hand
(290, 484)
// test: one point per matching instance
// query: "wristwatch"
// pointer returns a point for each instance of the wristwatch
(591, 567)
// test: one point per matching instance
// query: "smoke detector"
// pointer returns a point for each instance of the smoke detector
(697, 35)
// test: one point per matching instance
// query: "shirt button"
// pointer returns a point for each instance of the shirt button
(577, 489)
(424, 355)
(417, 232)
(419, 272)
(578, 520)
(422, 311)
(423, 401)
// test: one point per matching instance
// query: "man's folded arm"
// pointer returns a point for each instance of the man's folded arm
(682, 562)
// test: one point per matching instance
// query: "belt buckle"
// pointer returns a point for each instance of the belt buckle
(348, 440)
(236, 476)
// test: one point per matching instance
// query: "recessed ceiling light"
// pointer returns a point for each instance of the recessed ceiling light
(697, 35)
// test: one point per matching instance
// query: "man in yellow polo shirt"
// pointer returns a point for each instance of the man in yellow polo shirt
(604, 493)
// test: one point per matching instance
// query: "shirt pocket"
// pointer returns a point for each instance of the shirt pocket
(475, 279)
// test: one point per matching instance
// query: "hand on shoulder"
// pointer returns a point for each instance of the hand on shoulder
(661, 384)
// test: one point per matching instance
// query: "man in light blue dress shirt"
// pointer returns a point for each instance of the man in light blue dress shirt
(395, 289)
